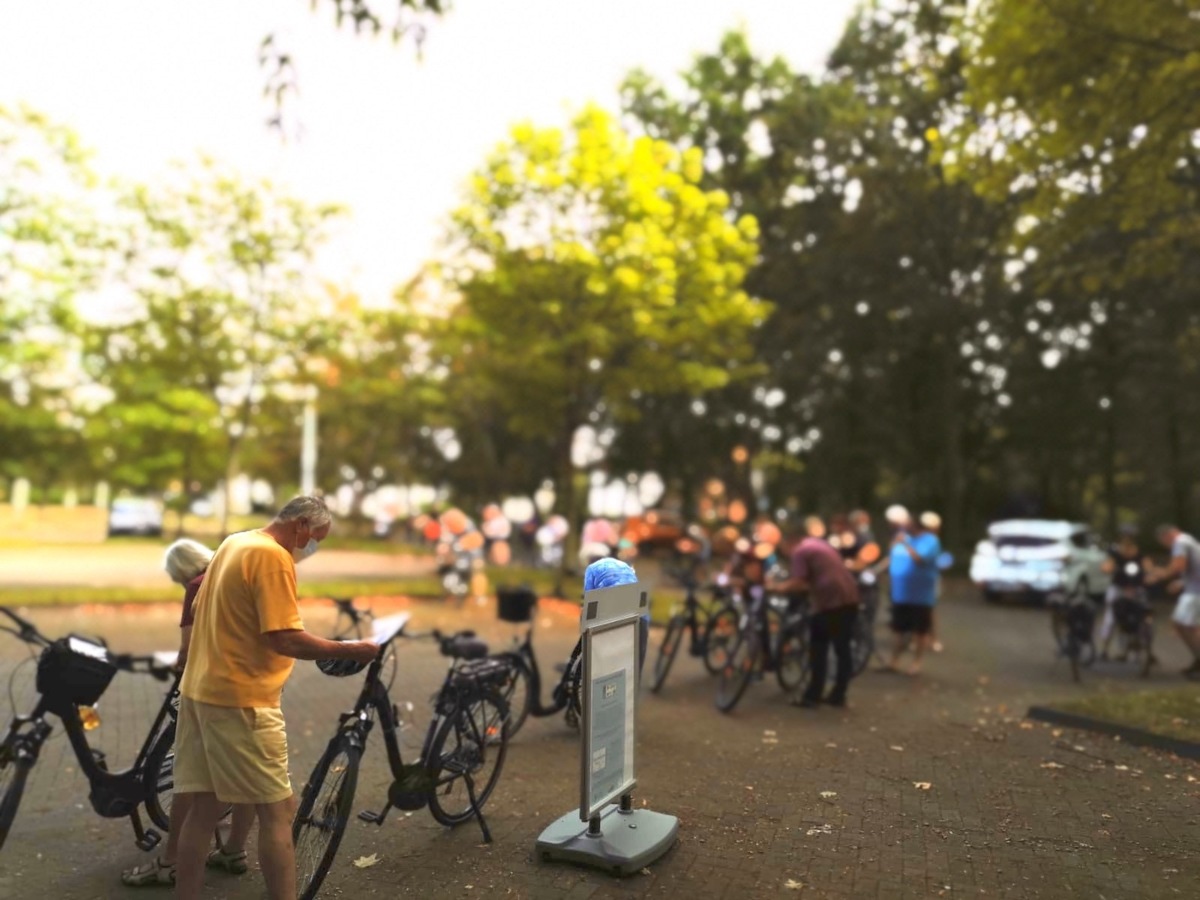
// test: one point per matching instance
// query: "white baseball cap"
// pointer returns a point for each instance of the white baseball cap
(897, 515)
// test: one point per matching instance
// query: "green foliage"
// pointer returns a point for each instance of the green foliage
(224, 318)
(593, 270)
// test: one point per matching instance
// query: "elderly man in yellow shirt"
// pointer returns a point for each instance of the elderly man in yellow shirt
(231, 746)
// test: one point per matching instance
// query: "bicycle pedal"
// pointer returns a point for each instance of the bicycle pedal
(372, 818)
(149, 840)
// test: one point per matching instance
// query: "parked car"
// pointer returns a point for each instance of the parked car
(135, 515)
(1036, 557)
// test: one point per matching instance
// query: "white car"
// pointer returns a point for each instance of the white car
(1039, 557)
(135, 515)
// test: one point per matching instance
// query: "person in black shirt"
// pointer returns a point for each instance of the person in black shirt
(1127, 567)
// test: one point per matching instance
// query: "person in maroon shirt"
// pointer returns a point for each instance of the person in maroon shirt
(186, 562)
(833, 603)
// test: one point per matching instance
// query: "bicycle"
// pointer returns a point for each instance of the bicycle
(772, 635)
(1131, 615)
(360, 624)
(522, 690)
(72, 675)
(465, 746)
(701, 624)
(1072, 622)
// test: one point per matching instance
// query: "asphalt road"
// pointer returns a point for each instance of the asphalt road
(772, 799)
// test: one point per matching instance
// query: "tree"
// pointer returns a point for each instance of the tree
(226, 313)
(593, 270)
(50, 250)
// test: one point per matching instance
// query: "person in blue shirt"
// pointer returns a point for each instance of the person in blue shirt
(913, 567)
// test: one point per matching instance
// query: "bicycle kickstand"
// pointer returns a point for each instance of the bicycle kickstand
(487, 835)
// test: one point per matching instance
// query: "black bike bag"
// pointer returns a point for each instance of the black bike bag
(75, 670)
(515, 604)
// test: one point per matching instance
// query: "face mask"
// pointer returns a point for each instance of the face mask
(300, 554)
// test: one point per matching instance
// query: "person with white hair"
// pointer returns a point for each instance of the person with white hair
(231, 743)
(914, 574)
(185, 563)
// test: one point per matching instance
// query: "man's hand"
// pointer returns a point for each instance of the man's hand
(361, 651)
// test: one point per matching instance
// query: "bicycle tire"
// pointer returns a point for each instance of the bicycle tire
(324, 813)
(517, 691)
(793, 671)
(13, 774)
(1059, 630)
(388, 669)
(471, 727)
(862, 645)
(720, 634)
(666, 653)
(159, 777)
(737, 673)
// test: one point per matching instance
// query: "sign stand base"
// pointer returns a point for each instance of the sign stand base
(619, 840)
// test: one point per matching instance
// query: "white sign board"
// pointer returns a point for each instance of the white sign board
(609, 694)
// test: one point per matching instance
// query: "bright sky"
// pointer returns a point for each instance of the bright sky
(391, 136)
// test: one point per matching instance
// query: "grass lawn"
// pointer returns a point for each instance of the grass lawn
(1172, 713)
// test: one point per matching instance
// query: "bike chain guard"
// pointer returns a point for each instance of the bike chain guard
(411, 789)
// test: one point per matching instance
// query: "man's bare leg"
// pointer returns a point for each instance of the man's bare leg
(922, 641)
(195, 836)
(276, 854)
(239, 829)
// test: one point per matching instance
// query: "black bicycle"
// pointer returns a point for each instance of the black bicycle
(357, 624)
(772, 635)
(709, 629)
(72, 675)
(458, 768)
(522, 689)
(1073, 621)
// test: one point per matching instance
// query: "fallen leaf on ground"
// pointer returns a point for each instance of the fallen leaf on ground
(1169, 777)
(828, 795)
(1053, 765)
(749, 787)
(1057, 732)
(1105, 816)
(768, 733)
(645, 871)
(922, 785)
(831, 746)
(1027, 726)
(793, 885)
(365, 862)
(1121, 768)
(820, 829)
(897, 748)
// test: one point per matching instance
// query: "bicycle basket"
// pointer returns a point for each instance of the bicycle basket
(75, 670)
(516, 604)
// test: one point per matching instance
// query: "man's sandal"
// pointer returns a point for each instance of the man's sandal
(233, 863)
(156, 872)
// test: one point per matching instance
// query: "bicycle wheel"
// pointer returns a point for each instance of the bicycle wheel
(14, 770)
(387, 671)
(720, 635)
(862, 644)
(666, 652)
(1072, 653)
(471, 743)
(1058, 628)
(793, 671)
(738, 672)
(323, 813)
(159, 777)
(518, 697)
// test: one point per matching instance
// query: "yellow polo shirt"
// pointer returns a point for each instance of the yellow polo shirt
(249, 589)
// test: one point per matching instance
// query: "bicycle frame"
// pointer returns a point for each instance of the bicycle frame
(113, 795)
(558, 698)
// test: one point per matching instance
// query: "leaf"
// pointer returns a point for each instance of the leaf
(793, 885)
(365, 862)
(1053, 765)
(897, 748)
(828, 795)
(922, 785)
(1121, 768)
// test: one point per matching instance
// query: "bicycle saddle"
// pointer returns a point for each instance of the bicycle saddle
(463, 646)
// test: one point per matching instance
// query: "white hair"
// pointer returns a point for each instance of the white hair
(306, 507)
(185, 560)
(897, 515)
(931, 520)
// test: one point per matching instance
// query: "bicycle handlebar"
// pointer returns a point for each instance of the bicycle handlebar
(26, 631)
(149, 665)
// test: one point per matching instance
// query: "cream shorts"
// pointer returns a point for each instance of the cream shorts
(1187, 610)
(238, 754)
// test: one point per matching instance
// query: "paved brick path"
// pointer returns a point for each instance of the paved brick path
(773, 800)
